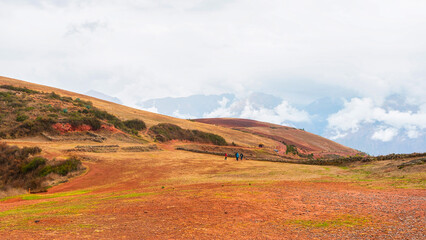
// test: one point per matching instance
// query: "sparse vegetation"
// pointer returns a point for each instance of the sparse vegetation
(291, 149)
(164, 132)
(21, 118)
(62, 168)
(22, 168)
(51, 108)
(19, 89)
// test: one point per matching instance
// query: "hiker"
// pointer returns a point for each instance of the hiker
(237, 156)
(226, 156)
(241, 156)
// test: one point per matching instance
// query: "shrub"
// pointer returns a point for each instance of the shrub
(33, 164)
(33, 127)
(18, 170)
(53, 95)
(21, 118)
(62, 168)
(291, 149)
(18, 89)
(135, 124)
(104, 115)
(93, 122)
(82, 103)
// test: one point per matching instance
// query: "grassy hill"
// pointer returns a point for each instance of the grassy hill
(114, 172)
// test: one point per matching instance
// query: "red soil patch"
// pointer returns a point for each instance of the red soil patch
(66, 128)
(111, 128)
(228, 210)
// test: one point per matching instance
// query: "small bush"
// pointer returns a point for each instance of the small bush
(21, 118)
(104, 115)
(93, 122)
(33, 164)
(135, 124)
(62, 168)
(291, 149)
(18, 89)
(82, 103)
(33, 127)
(18, 170)
(53, 95)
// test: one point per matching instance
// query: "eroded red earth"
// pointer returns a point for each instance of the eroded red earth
(187, 197)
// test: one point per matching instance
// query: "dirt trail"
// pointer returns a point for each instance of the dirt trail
(181, 195)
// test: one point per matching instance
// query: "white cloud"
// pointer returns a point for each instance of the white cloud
(283, 114)
(150, 49)
(360, 111)
(385, 135)
(182, 115)
(151, 109)
(413, 132)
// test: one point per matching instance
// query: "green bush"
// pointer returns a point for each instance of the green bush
(19, 89)
(21, 118)
(93, 122)
(53, 95)
(33, 164)
(82, 103)
(32, 127)
(62, 168)
(104, 115)
(18, 170)
(291, 149)
(135, 124)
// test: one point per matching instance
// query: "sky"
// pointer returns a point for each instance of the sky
(302, 50)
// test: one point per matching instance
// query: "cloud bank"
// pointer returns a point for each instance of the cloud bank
(298, 50)
(389, 122)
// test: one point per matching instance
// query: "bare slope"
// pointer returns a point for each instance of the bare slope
(305, 142)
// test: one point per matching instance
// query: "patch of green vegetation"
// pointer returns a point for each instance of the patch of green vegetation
(62, 168)
(53, 195)
(131, 195)
(47, 196)
(135, 124)
(291, 149)
(23, 217)
(33, 164)
(18, 170)
(341, 221)
(19, 89)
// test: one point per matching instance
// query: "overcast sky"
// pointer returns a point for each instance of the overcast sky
(298, 50)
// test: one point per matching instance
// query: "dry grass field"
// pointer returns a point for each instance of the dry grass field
(173, 194)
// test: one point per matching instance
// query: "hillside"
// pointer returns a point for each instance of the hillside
(306, 143)
(77, 167)
(126, 113)
(61, 104)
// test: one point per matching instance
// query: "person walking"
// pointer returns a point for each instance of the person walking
(226, 156)
(237, 156)
(241, 156)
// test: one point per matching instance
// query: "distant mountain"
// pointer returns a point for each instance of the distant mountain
(362, 140)
(194, 106)
(103, 96)
(199, 106)
(395, 126)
